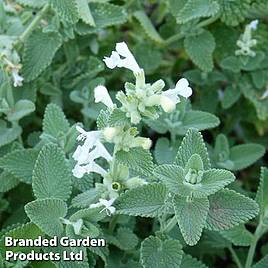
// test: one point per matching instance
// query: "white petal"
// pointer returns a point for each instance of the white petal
(183, 88)
(81, 154)
(111, 209)
(102, 151)
(112, 61)
(167, 104)
(254, 24)
(101, 94)
(17, 78)
(109, 133)
(97, 205)
(123, 49)
(77, 226)
(93, 167)
(79, 171)
(172, 94)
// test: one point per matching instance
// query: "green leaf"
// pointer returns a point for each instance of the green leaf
(125, 239)
(32, 3)
(20, 163)
(148, 26)
(200, 48)
(103, 119)
(39, 51)
(67, 10)
(192, 143)
(118, 118)
(86, 198)
(46, 214)
(106, 14)
(263, 263)
(230, 97)
(7, 182)
(137, 159)
(197, 9)
(84, 12)
(245, 155)
(55, 122)
(191, 215)
(199, 120)
(163, 152)
(234, 12)
(24, 231)
(51, 175)
(229, 209)
(21, 109)
(146, 201)
(7, 135)
(190, 262)
(261, 196)
(161, 254)
(239, 236)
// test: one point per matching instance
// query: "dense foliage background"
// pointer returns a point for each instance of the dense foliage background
(57, 47)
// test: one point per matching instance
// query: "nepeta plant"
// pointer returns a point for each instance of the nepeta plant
(143, 123)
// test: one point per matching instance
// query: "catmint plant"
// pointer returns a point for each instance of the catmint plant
(133, 134)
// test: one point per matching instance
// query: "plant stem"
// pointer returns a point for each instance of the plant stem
(258, 233)
(201, 24)
(169, 226)
(112, 224)
(208, 21)
(235, 257)
(33, 24)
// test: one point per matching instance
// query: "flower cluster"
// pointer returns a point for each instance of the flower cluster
(141, 98)
(246, 42)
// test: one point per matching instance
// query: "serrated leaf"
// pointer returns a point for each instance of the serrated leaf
(190, 262)
(263, 263)
(21, 109)
(7, 182)
(234, 12)
(67, 10)
(200, 48)
(84, 12)
(146, 201)
(7, 135)
(20, 163)
(239, 236)
(137, 159)
(103, 119)
(194, 9)
(229, 209)
(161, 254)
(106, 14)
(46, 214)
(125, 239)
(199, 120)
(164, 153)
(39, 52)
(245, 154)
(25, 231)
(191, 215)
(192, 143)
(55, 122)
(148, 26)
(230, 97)
(118, 118)
(86, 198)
(32, 3)
(51, 175)
(261, 196)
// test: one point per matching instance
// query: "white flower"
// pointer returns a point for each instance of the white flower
(170, 98)
(16, 77)
(109, 133)
(101, 95)
(76, 225)
(85, 154)
(108, 208)
(128, 61)
(254, 24)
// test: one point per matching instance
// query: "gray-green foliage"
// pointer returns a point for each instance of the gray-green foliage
(138, 173)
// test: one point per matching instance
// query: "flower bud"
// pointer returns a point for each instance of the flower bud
(167, 104)
(109, 133)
